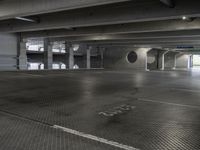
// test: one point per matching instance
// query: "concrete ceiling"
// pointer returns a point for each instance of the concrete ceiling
(17, 8)
(139, 22)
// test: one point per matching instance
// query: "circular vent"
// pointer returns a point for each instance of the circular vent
(132, 57)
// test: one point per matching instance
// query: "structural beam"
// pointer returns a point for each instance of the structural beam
(162, 40)
(71, 57)
(48, 54)
(176, 27)
(163, 60)
(153, 44)
(141, 36)
(88, 53)
(22, 56)
(127, 12)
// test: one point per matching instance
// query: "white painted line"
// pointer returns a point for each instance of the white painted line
(95, 138)
(167, 103)
(33, 75)
(186, 90)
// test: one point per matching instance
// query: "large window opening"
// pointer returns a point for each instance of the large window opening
(59, 47)
(35, 45)
(196, 61)
(57, 66)
(35, 66)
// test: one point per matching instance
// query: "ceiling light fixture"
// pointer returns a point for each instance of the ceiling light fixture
(184, 18)
(25, 19)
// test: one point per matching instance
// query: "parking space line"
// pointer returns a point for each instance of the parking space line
(186, 90)
(33, 75)
(95, 138)
(167, 103)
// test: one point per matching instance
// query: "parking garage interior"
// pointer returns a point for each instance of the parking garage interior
(99, 75)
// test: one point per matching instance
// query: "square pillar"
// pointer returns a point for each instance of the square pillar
(89, 57)
(163, 60)
(71, 57)
(146, 60)
(102, 50)
(22, 56)
(48, 54)
(189, 61)
(66, 55)
(175, 59)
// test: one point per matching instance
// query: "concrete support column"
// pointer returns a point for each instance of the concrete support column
(48, 54)
(88, 53)
(102, 57)
(189, 61)
(175, 60)
(71, 57)
(67, 55)
(163, 60)
(146, 61)
(182, 61)
(22, 56)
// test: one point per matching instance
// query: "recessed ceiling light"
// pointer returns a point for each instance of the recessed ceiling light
(184, 17)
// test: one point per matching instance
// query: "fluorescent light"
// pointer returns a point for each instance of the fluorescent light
(25, 19)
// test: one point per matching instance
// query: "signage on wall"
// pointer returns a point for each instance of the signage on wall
(184, 46)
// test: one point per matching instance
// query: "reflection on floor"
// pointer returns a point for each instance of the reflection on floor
(103, 110)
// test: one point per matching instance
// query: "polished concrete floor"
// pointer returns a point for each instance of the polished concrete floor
(100, 110)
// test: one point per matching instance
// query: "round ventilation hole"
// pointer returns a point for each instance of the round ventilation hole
(132, 57)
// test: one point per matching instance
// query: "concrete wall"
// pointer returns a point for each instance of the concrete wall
(156, 55)
(152, 59)
(116, 58)
(8, 51)
(170, 60)
(182, 61)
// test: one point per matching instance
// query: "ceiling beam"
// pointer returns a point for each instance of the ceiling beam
(147, 45)
(102, 15)
(153, 35)
(158, 42)
(168, 45)
(174, 27)
(135, 37)
(15, 8)
(163, 40)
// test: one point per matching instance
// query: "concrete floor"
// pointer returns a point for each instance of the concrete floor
(162, 110)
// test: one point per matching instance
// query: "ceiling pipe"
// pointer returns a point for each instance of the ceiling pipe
(169, 3)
